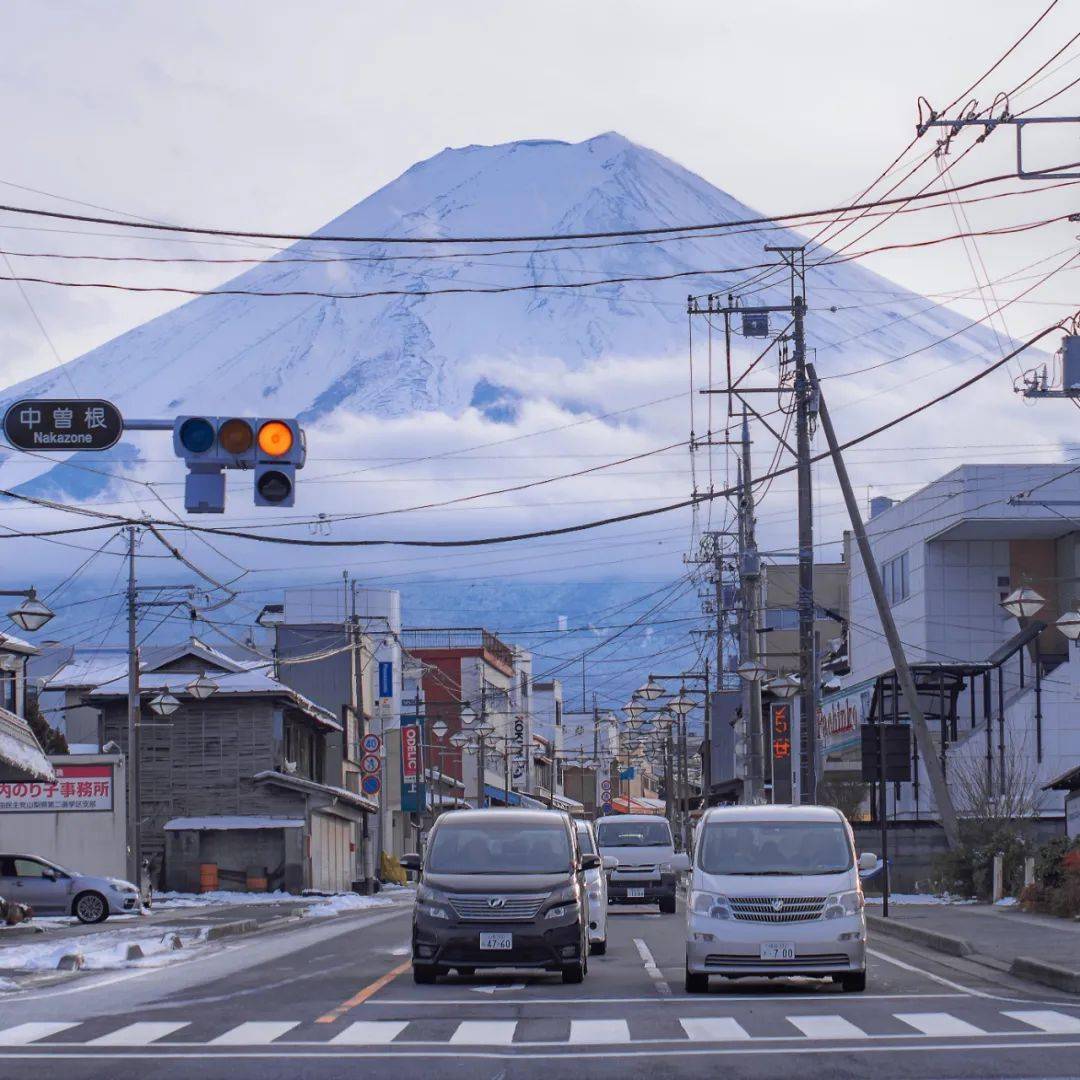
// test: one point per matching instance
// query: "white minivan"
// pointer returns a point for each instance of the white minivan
(596, 884)
(775, 891)
(649, 869)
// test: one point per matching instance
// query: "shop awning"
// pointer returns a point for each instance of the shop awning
(501, 796)
(626, 804)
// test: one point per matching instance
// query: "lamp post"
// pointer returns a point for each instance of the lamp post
(31, 614)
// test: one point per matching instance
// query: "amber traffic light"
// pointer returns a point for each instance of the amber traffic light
(275, 438)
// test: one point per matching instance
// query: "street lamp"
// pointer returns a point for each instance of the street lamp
(439, 728)
(650, 691)
(201, 687)
(682, 704)
(460, 739)
(468, 716)
(784, 686)
(164, 704)
(1023, 603)
(751, 671)
(633, 709)
(31, 614)
(1069, 625)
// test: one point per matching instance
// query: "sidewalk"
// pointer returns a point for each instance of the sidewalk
(1039, 948)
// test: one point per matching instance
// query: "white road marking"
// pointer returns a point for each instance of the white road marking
(1054, 1023)
(651, 969)
(485, 1032)
(492, 989)
(713, 1028)
(21, 1034)
(139, 1034)
(826, 1027)
(939, 1024)
(757, 999)
(599, 1031)
(255, 1033)
(368, 1032)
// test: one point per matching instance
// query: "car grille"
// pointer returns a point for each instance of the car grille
(777, 909)
(644, 868)
(814, 959)
(513, 908)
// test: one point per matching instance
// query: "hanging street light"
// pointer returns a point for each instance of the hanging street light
(682, 704)
(460, 739)
(650, 691)
(164, 704)
(31, 614)
(1023, 603)
(439, 728)
(1069, 625)
(633, 709)
(468, 715)
(201, 687)
(751, 671)
(784, 686)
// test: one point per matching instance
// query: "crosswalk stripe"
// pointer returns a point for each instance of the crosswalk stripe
(21, 1034)
(826, 1027)
(485, 1032)
(713, 1028)
(139, 1034)
(939, 1024)
(599, 1031)
(367, 1032)
(255, 1032)
(1054, 1023)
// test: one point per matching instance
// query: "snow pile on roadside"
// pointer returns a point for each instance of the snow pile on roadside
(8, 984)
(1006, 901)
(169, 901)
(342, 902)
(921, 898)
(99, 952)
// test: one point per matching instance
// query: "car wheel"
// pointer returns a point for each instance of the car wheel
(423, 974)
(90, 907)
(575, 973)
(598, 948)
(667, 905)
(696, 982)
(854, 983)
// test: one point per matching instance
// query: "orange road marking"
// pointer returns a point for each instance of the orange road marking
(363, 995)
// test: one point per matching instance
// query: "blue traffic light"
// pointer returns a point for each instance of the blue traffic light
(197, 435)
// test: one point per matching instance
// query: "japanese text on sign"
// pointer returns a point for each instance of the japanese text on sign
(77, 787)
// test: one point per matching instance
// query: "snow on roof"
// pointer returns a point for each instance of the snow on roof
(302, 783)
(16, 644)
(225, 822)
(20, 749)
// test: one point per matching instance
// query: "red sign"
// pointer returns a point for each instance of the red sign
(410, 752)
(77, 787)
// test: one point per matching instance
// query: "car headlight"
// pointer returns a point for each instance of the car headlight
(557, 912)
(433, 911)
(713, 905)
(432, 903)
(122, 886)
(844, 903)
(665, 868)
(563, 901)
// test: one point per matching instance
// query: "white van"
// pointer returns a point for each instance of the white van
(775, 891)
(648, 869)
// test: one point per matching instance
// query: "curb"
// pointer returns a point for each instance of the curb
(1027, 967)
(945, 943)
(230, 929)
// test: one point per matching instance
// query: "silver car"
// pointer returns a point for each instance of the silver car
(53, 890)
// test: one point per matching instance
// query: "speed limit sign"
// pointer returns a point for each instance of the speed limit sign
(371, 743)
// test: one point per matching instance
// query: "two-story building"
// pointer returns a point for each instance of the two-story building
(21, 756)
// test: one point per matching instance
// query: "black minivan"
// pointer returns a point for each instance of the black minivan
(501, 888)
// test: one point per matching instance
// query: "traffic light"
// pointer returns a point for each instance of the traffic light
(273, 448)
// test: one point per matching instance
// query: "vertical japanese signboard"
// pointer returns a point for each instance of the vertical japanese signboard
(781, 752)
(413, 789)
(386, 678)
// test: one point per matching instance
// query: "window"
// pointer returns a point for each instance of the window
(894, 577)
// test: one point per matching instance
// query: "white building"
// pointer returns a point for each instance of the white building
(949, 555)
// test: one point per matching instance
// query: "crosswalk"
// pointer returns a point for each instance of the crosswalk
(570, 1032)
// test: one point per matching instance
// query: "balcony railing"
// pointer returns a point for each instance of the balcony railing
(459, 637)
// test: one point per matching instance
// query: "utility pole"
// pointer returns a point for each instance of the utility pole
(749, 592)
(934, 771)
(356, 642)
(134, 814)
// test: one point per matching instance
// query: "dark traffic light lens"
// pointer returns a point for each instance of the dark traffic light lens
(236, 436)
(197, 435)
(274, 486)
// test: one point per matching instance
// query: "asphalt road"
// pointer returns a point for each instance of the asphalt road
(337, 999)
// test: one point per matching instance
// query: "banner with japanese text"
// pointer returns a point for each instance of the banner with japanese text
(77, 787)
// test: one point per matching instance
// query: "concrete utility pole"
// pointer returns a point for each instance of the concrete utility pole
(942, 796)
(750, 604)
(134, 844)
(356, 643)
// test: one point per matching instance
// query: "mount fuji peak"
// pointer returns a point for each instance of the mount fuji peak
(396, 355)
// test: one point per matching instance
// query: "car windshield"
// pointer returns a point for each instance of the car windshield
(499, 847)
(584, 838)
(634, 834)
(775, 847)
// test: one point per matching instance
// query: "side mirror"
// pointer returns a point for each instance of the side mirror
(610, 862)
(680, 862)
(411, 861)
(49, 874)
(589, 861)
(867, 860)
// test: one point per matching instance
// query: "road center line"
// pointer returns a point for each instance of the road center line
(363, 995)
(654, 973)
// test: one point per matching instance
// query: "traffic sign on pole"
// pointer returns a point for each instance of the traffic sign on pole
(370, 763)
(62, 424)
(371, 743)
(371, 784)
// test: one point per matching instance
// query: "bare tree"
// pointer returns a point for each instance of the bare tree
(995, 797)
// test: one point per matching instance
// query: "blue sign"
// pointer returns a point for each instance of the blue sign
(627, 774)
(607, 808)
(386, 678)
(413, 790)
(370, 784)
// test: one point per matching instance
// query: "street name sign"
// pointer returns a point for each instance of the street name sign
(62, 424)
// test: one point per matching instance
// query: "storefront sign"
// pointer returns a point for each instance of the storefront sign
(841, 715)
(413, 790)
(386, 678)
(77, 787)
(781, 753)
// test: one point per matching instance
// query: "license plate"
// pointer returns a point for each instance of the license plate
(635, 894)
(496, 941)
(778, 950)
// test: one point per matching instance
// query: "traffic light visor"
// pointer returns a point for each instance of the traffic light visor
(196, 435)
(236, 436)
(275, 438)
